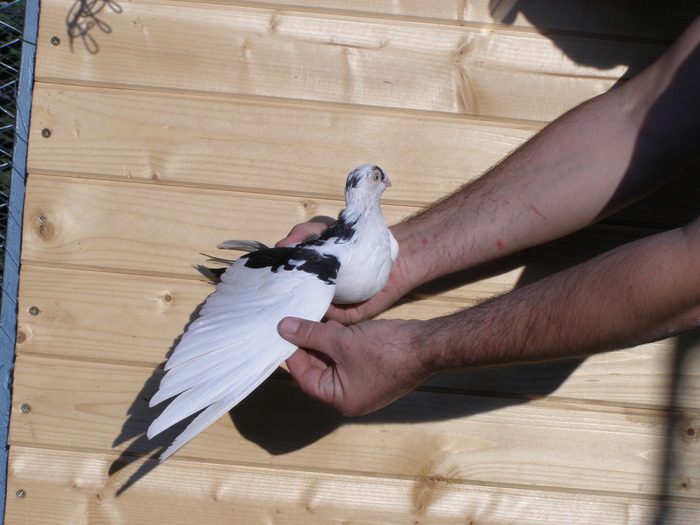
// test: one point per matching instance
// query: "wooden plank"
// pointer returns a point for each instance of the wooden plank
(256, 146)
(135, 319)
(156, 228)
(95, 407)
(72, 487)
(335, 59)
(18, 76)
(274, 147)
(82, 222)
(438, 456)
(128, 318)
(661, 375)
(605, 18)
(161, 230)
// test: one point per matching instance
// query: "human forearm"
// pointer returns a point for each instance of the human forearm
(588, 163)
(556, 183)
(639, 292)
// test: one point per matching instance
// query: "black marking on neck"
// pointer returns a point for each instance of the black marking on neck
(323, 266)
(340, 231)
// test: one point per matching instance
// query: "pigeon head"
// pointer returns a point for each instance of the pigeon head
(365, 185)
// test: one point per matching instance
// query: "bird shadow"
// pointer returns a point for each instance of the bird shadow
(281, 419)
(140, 416)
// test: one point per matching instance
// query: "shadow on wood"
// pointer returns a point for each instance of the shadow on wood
(560, 21)
(680, 427)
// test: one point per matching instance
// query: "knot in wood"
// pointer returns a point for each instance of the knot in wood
(45, 228)
(22, 336)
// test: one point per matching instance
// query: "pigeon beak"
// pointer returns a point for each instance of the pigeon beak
(387, 182)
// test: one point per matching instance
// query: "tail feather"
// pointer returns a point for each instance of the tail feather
(243, 245)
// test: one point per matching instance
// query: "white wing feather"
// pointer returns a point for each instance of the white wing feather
(234, 345)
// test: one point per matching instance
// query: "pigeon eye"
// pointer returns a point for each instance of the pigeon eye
(377, 177)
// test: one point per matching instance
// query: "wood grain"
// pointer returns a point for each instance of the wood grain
(617, 19)
(122, 317)
(110, 317)
(93, 407)
(152, 227)
(158, 229)
(77, 488)
(267, 146)
(336, 59)
(250, 146)
(190, 122)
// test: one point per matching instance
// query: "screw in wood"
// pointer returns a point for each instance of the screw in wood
(55, 41)
(46, 133)
(25, 408)
(21, 493)
(33, 310)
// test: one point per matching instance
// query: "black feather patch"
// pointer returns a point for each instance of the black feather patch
(353, 179)
(340, 231)
(323, 266)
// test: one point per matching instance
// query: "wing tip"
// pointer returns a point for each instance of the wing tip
(153, 430)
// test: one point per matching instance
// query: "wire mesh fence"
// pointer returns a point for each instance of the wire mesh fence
(11, 22)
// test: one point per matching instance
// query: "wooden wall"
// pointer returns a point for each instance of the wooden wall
(163, 127)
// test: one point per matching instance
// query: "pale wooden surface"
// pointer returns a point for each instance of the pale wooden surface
(195, 122)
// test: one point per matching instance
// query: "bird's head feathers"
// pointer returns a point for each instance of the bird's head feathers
(365, 185)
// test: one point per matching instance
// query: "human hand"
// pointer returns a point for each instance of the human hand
(355, 369)
(396, 287)
(303, 231)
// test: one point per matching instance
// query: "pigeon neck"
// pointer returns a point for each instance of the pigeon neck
(358, 209)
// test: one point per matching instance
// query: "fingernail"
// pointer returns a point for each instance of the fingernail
(289, 325)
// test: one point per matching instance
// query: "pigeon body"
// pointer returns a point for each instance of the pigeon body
(234, 345)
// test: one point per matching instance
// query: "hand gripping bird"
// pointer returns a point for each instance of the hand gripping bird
(234, 345)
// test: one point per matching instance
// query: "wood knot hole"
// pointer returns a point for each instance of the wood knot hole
(46, 228)
(21, 337)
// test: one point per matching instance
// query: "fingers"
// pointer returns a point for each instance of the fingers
(310, 334)
(312, 369)
(353, 369)
(349, 314)
(301, 232)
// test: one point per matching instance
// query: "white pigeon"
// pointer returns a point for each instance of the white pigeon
(234, 345)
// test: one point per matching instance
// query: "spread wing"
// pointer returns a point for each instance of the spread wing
(234, 345)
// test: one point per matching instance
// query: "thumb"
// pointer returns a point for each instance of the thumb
(301, 232)
(308, 334)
